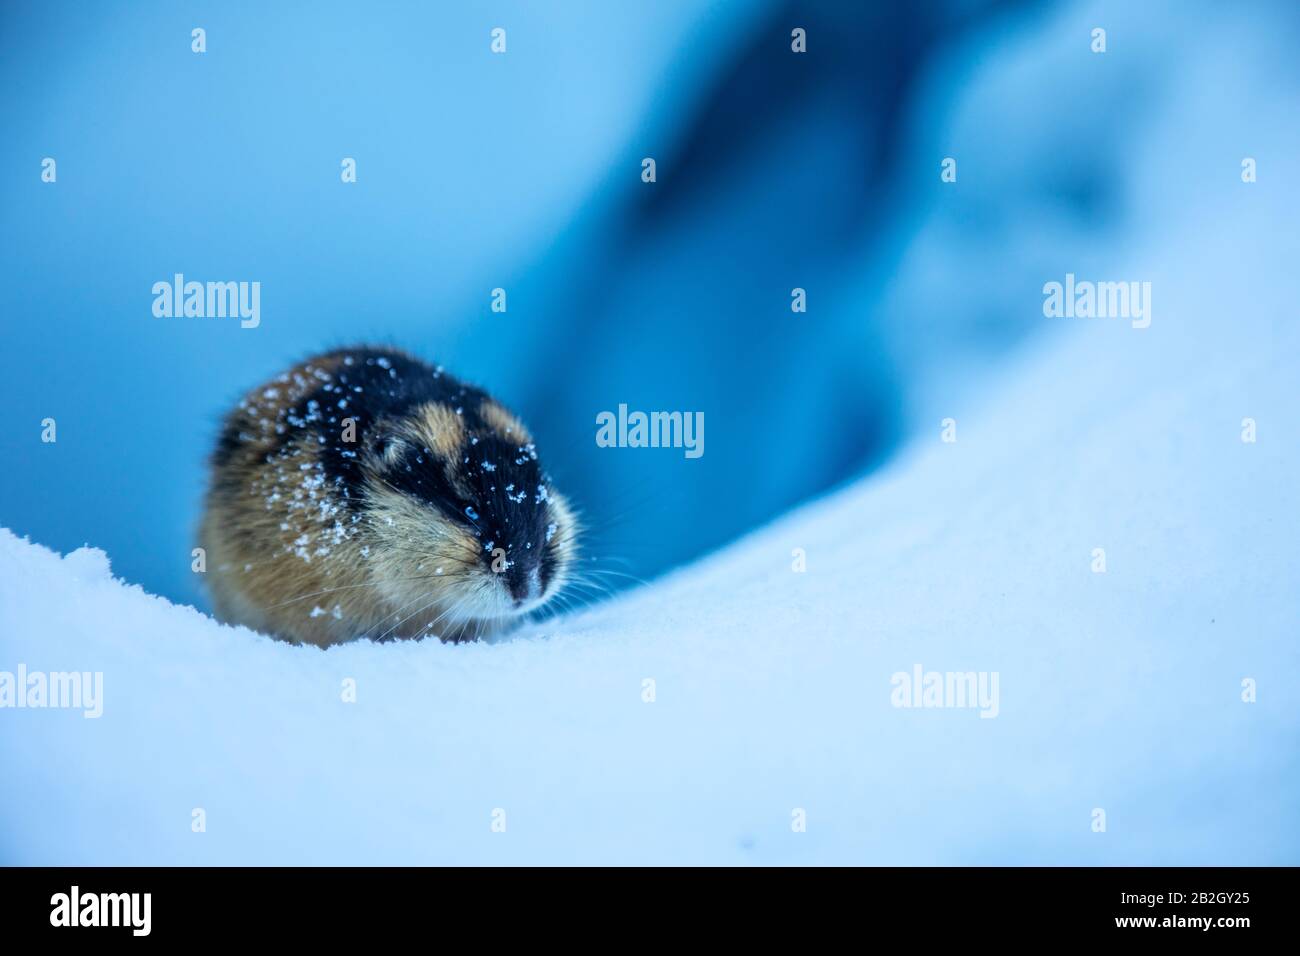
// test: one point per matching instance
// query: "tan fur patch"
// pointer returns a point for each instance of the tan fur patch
(439, 428)
(504, 423)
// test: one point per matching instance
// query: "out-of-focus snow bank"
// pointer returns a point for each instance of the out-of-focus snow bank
(770, 709)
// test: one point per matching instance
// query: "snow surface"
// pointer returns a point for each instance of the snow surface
(1119, 691)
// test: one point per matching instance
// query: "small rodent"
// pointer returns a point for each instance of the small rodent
(364, 493)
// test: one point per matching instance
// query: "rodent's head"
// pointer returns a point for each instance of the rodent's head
(462, 511)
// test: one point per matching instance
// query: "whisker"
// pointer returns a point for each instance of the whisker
(407, 618)
(364, 584)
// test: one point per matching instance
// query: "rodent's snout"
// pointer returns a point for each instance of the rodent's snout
(524, 582)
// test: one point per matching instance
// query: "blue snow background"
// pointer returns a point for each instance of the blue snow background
(522, 171)
(775, 171)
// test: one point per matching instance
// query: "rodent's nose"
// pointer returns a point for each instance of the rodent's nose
(524, 583)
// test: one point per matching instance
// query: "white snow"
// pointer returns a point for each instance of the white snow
(772, 688)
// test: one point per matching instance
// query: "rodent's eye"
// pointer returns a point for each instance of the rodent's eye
(389, 449)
